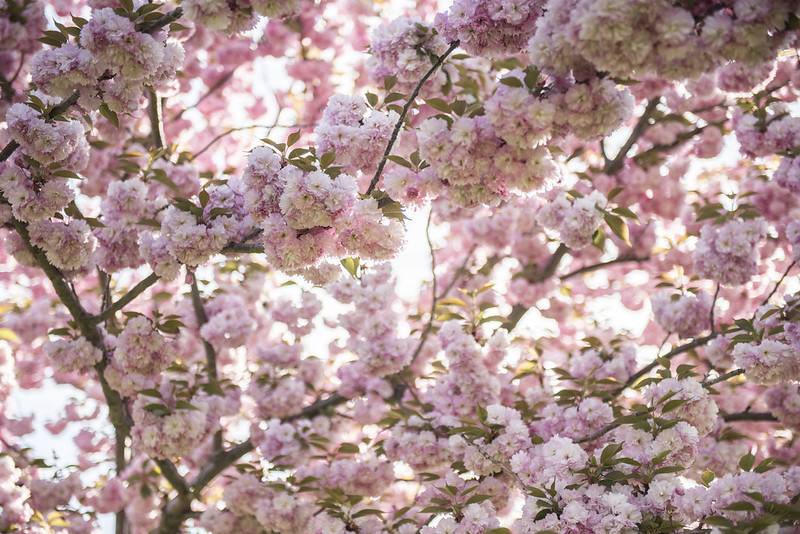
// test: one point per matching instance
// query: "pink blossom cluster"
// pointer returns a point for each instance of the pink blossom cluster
(769, 361)
(308, 217)
(372, 326)
(588, 415)
(238, 15)
(113, 58)
(140, 355)
(696, 407)
(778, 131)
(685, 314)
(787, 174)
(418, 446)
(574, 221)
(617, 362)
(229, 324)
(173, 430)
(728, 253)
(34, 192)
(67, 245)
(486, 457)
(356, 137)
(14, 495)
(21, 24)
(252, 505)
(73, 355)
(637, 37)
(475, 166)
(783, 401)
(56, 142)
(191, 241)
(470, 380)
(365, 475)
(405, 48)
(490, 28)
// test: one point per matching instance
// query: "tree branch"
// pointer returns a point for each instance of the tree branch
(211, 353)
(127, 298)
(749, 416)
(154, 113)
(722, 378)
(177, 509)
(170, 472)
(601, 265)
(164, 20)
(613, 166)
(399, 125)
(518, 311)
(697, 342)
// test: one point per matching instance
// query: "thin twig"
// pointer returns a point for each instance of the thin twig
(697, 342)
(711, 324)
(216, 86)
(779, 282)
(749, 416)
(154, 113)
(602, 265)
(707, 383)
(127, 298)
(164, 20)
(399, 125)
(614, 165)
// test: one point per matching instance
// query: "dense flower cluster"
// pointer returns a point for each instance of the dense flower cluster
(58, 142)
(493, 28)
(73, 355)
(574, 221)
(113, 59)
(478, 167)
(729, 253)
(685, 314)
(357, 138)
(638, 37)
(234, 354)
(310, 216)
(405, 48)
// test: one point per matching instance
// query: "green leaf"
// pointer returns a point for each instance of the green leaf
(293, 138)
(511, 81)
(625, 212)
(438, 104)
(351, 265)
(348, 448)
(185, 405)
(741, 506)
(618, 226)
(111, 116)
(746, 462)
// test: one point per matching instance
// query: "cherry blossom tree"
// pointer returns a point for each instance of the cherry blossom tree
(202, 207)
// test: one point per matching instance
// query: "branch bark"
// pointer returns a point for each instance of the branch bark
(406, 108)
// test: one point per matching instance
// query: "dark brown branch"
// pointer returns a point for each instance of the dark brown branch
(154, 113)
(722, 378)
(406, 108)
(613, 166)
(602, 265)
(697, 342)
(749, 416)
(170, 472)
(176, 510)
(127, 298)
(518, 311)
(164, 20)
